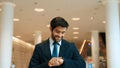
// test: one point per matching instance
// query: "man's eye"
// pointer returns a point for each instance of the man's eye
(63, 32)
(57, 31)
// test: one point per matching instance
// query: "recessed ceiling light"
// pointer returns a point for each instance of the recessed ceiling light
(76, 19)
(75, 32)
(75, 37)
(104, 22)
(91, 18)
(16, 19)
(75, 28)
(39, 9)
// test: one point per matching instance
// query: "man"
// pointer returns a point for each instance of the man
(67, 54)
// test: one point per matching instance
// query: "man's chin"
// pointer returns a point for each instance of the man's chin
(58, 40)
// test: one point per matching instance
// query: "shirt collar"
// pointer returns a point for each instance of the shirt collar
(51, 41)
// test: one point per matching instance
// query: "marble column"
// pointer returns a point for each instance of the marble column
(6, 33)
(95, 48)
(113, 33)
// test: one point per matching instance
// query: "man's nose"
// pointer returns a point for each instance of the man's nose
(61, 34)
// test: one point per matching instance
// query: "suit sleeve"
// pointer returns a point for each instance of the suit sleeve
(76, 61)
(35, 60)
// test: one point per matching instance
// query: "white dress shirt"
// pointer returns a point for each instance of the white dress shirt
(52, 46)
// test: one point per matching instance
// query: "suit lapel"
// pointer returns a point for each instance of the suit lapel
(62, 49)
(47, 49)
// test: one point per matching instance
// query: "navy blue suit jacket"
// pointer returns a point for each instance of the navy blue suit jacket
(70, 54)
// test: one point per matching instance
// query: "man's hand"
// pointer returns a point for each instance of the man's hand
(55, 61)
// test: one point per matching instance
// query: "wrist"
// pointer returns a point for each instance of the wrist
(49, 64)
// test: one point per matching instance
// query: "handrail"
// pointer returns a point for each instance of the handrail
(81, 49)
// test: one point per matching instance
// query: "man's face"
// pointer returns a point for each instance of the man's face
(58, 33)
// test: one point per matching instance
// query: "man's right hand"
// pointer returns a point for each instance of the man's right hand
(55, 61)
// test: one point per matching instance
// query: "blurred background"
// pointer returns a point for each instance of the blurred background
(32, 18)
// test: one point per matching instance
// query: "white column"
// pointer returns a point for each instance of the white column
(95, 48)
(6, 33)
(38, 37)
(113, 34)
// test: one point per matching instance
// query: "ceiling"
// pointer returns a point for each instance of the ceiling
(31, 21)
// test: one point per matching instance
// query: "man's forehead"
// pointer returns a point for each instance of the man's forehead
(61, 28)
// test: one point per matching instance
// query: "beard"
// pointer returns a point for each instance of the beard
(54, 37)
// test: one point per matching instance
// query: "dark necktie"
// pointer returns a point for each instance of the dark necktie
(55, 50)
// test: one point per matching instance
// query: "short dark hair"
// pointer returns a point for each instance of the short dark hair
(58, 21)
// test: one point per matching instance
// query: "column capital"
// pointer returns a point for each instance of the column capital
(7, 2)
